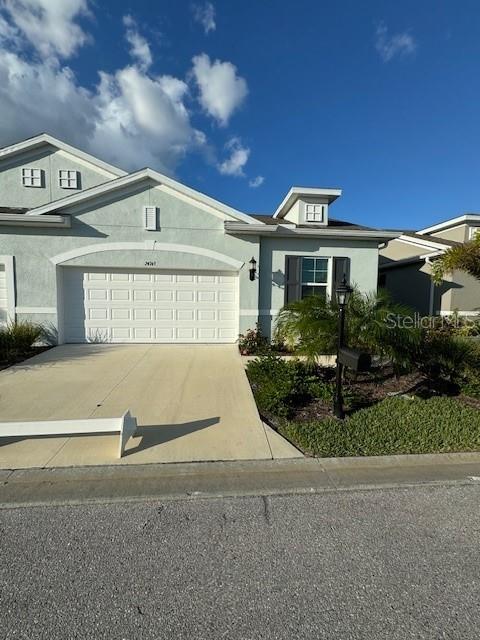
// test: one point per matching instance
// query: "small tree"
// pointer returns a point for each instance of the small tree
(465, 257)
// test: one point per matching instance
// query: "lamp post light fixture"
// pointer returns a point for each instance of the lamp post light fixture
(253, 268)
(342, 292)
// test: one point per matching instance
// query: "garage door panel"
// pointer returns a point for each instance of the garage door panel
(150, 306)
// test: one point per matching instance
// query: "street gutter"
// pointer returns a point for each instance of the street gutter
(187, 481)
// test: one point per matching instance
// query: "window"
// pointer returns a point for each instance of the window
(32, 177)
(314, 212)
(314, 277)
(68, 179)
(473, 231)
(150, 218)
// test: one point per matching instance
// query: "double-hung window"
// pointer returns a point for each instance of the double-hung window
(31, 177)
(68, 179)
(314, 277)
(314, 212)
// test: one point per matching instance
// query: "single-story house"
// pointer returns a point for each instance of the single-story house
(99, 254)
(405, 269)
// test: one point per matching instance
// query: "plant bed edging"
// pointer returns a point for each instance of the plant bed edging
(322, 361)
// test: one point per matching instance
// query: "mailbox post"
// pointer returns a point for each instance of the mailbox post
(343, 292)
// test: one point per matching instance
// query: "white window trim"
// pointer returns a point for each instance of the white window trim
(472, 231)
(8, 263)
(67, 178)
(149, 226)
(31, 177)
(314, 213)
(326, 285)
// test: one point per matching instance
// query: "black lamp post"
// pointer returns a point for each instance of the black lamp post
(343, 292)
(253, 268)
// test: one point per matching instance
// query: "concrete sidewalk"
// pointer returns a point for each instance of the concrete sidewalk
(187, 481)
(191, 402)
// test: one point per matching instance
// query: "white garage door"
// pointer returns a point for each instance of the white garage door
(150, 306)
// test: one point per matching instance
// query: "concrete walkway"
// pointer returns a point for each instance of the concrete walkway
(192, 403)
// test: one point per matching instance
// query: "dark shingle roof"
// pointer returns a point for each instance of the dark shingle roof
(429, 238)
(332, 223)
(12, 210)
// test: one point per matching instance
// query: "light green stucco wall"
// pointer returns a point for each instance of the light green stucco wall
(118, 217)
(50, 160)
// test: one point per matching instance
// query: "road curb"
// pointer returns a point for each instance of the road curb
(124, 483)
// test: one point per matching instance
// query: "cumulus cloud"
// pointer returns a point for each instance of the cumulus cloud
(139, 47)
(398, 44)
(204, 14)
(222, 90)
(130, 117)
(49, 25)
(256, 182)
(237, 158)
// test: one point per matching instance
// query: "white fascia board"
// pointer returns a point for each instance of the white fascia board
(26, 220)
(201, 197)
(137, 176)
(450, 223)
(296, 192)
(45, 138)
(432, 244)
(285, 231)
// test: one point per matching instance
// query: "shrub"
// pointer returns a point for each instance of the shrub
(393, 426)
(442, 355)
(311, 325)
(17, 339)
(253, 342)
(279, 385)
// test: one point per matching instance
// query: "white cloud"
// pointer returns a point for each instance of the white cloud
(222, 91)
(131, 118)
(398, 44)
(256, 182)
(139, 47)
(238, 158)
(205, 15)
(49, 25)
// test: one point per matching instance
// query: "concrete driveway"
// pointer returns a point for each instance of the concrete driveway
(192, 403)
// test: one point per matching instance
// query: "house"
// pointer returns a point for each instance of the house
(405, 269)
(98, 254)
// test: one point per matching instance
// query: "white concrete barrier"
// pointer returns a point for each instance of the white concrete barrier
(126, 426)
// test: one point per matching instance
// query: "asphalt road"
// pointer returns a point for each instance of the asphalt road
(386, 564)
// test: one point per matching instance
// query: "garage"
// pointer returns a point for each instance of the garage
(128, 306)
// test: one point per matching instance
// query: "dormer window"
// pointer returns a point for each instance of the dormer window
(32, 177)
(68, 179)
(314, 212)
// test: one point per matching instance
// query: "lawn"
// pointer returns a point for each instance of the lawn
(387, 414)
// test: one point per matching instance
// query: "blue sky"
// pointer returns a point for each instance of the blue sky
(243, 99)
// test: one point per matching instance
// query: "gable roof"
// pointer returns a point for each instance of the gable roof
(133, 178)
(422, 241)
(46, 139)
(296, 192)
(446, 224)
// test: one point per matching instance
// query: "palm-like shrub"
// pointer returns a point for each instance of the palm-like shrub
(373, 322)
(465, 257)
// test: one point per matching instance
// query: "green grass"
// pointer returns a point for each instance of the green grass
(393, 426)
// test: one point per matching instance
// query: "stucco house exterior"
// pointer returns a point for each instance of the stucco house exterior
(99, 254)
(405, 269)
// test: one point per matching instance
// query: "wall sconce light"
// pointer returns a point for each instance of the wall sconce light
(253, 269)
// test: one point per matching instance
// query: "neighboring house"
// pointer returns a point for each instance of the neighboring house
(405, 269)
(101, 255)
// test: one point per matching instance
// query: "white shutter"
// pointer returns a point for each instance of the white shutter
(150, 215)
